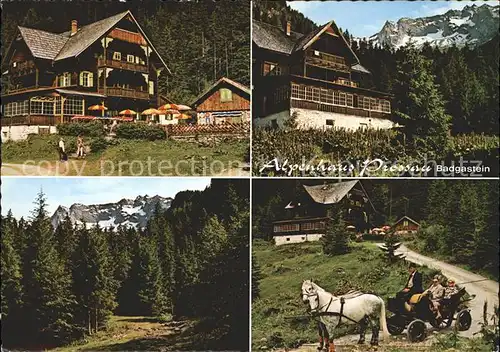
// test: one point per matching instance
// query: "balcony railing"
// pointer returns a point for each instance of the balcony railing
(23, 89)
(101, 62)
(42, 120)
(124, 92)
(325, 60)
(302, 104)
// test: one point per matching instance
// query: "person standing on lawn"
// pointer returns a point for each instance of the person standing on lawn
(62, 150)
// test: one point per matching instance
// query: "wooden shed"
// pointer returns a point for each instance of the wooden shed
(226, 101)
(406, 226)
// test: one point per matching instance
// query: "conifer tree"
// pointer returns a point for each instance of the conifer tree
(420, 104)
(93, 281)
(11, 289)
(48, 301)
(336, 240)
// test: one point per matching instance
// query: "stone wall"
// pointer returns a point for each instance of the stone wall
(19, 133)
(287, 239)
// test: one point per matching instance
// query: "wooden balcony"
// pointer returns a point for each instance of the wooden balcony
(25, 89)
(43, 120)
(123, 65)
(124, 92)
(327, 61)
(22, 68)
(346, 110)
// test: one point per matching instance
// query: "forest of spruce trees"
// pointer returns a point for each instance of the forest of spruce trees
(201, 41)
(459, 219)
(191, 261)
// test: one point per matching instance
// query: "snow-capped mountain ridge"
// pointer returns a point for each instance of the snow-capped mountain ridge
(473, 25)
(126, 212)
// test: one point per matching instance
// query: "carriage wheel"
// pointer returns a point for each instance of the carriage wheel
(416, 331)
(396, 324)
(442, 323)
(464, 320)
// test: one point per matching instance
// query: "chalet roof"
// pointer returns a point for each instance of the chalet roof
(360, 68)
(42, 44)
(407, 218)
(272, 38)
(87, 35)
(60, 46)
(237, 85)
(330, 193)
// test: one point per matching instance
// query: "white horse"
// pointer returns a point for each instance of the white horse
(362, 309)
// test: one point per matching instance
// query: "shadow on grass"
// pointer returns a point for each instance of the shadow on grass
(201, 336)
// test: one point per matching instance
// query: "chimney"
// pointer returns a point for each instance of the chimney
(74, 27)
(288, 28)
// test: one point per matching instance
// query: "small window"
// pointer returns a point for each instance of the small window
(330, 122)
(65, 79)
(405, 223)
(137, 60)
(14, 64)
(131, 58)
(117, 55)
(225, 95)
(151, 87)
(86, 79)
(288, 238)
(303, 238)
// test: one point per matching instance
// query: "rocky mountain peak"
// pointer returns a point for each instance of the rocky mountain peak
(126, 212)
(473, 25)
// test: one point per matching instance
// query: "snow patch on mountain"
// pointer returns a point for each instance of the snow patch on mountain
(127, 212)
(473, 25)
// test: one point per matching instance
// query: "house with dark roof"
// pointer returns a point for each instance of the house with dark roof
(52, 77)
(226, 101)
(308, 217)
(315, 78)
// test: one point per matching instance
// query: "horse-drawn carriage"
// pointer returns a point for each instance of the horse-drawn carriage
(414, 316)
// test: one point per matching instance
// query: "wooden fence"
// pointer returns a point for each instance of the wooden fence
(226, 128)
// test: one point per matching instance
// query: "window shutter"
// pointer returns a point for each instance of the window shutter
(81, 78)
(91, 79)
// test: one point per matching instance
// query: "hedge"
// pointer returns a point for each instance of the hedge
(140, 131)
(86, 129)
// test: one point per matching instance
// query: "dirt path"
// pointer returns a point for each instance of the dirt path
(25, 170)
(139, 334)
(484, 290)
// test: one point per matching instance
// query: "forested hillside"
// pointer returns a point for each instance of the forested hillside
(200, 41)
(459, 218)
(191, 261)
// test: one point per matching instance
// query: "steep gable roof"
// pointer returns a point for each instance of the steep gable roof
(331, 193)
(87, 35)
(407, 218)
(42, 44)
(53, 46)
(237, 85)
(272, 38)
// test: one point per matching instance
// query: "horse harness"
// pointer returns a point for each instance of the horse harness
(335, 314)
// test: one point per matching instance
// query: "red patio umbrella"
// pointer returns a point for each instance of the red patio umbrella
(127, 112)
(97, 107)
(169, 107)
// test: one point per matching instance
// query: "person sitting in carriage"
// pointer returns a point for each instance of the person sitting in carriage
(413, 285)
(450, 290)
(436, 294)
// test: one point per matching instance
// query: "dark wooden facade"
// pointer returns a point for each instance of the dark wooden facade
(315, 71)
(316, 209)
(57, 76)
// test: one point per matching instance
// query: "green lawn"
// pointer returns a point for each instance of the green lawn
(276, 314)
(132, 157)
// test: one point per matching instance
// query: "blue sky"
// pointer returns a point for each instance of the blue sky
(365, 18)
(19, 193)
